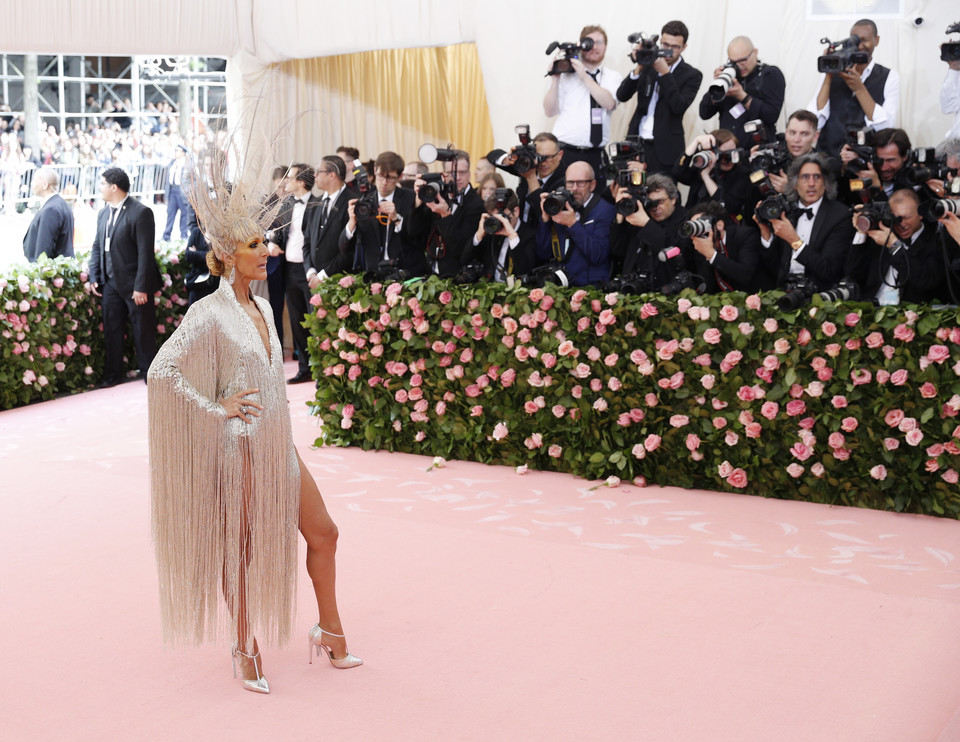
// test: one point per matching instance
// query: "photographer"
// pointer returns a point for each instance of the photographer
(812, 243)
(755, 93)
(546, 176)
(891, 149)
(445, 226)
(582, 101)
(950, 96)
(801, 138)
(727, 255)
(894, 259)
(720, 179)
(866, 94)
(324, 224)
(641, 239)
(383, 233)
(511, 249)
(664, 92)
(578, 236)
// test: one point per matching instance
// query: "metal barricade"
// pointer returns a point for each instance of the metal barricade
(82, 183)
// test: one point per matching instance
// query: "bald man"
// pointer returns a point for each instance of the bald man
(756, 92)
(51, 231)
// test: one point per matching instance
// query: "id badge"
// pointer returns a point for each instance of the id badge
(738, 110)
(596, 116)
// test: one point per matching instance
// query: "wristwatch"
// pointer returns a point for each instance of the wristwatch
(796, 244)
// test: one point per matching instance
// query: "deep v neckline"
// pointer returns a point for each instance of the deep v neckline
(265, 343)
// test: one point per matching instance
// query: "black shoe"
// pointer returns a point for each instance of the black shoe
(301, 377)
(107, 383)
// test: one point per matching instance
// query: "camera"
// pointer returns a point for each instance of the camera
(873, 214)
(772, 154)
(360, 179)
(387, 271)
(433, 187)
(923, 165)
(719, 87)
(695, 227)
(773, 204)
(570, 51)
(701, 159)
(492, 225)
(632, 283)
(367, 207)
(539, 277)
(555, 202)
(619, 154)
(648, 51)
(846, 290)
(431, 153)
(684, 280)
(841, 55)
(863, 144)
(797, 293)
(634, 181)
(940, 207)
(470, 273)
(950, 50)
(526, 153)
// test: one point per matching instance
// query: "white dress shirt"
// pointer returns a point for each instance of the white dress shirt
(950, 100)
(573, 101)
(884, 116)
(646, 123)
(294, 248)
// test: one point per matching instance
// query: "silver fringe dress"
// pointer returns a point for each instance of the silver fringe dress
(225, 493)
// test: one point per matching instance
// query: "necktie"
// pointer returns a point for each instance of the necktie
(323, 211)
(596, 117)
(111, 225)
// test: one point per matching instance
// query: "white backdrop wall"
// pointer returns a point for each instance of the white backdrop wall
(510, 36)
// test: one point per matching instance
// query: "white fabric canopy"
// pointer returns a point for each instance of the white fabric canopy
(510, 37)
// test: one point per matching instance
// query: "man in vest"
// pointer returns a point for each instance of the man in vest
(863, 95)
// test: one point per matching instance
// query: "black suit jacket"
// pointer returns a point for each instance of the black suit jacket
(920, 268)
(131, 250)
(735, 263)
(446, 238)
(321, 242)
(766, 85)
(371, 236)
(51, 231)
(520, 260)
(824, 257)
(677, 91)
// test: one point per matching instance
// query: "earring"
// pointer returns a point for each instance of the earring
(232, 276)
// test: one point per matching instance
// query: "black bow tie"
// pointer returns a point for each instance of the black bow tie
(805, 212)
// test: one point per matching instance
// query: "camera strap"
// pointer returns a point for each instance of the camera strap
(721, 247)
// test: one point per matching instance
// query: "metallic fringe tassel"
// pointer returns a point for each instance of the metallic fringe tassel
(225, 493)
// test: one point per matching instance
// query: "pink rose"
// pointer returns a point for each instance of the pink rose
(507, 377)
(554, 451)
(770, 324)
(728, 313)
(904, 333)
(796, 407)
(879, 472)
(849, 424)
(950, 476)
(712, 336)
(781, 346)
(841, 454)
(607, 317)
(745, 328)
(893, 418)
(401, 396)
(914, 437)
(928, 390)
(614, 384)
(708, 380)
(731, 438)
(839, 401)
(566, 348)
(815, 388)
(725, 469)
(648, 310)
(746, 394)
(874, 340)
(719, 423)
(611, 360)
(795, 470)
(500, 431)
(836, 440)
(652, 442)
(683, 305)
(753, 302)
(770, 410)
(907, 424)
(851, 319)
(651, 400)
(737, 478)
(476, 411)
(935, 450)
(801, 451)
(938, 353)
(804, 336)
(753, 430)
(692, 442)
(861, 376)
(600, 405)
(577, 391)
(829, 329)
(639, 451)
(678, 421)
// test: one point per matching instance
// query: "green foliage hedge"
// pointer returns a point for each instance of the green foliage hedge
(51, 336)
(847, 404)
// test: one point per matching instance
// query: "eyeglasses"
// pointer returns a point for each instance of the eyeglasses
(578, 183)
(550, 157)
(746, 58)
(388, 178)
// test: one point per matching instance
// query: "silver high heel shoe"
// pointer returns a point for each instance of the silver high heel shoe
(315, 639)
(257, 685)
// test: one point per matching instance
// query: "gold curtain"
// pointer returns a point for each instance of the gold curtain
(391, 99)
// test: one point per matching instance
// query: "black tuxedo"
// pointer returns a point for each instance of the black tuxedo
(129, 265)
(296, 288)
(373, 242)
(518, 261)
(735, 263)
(677, 91)
(446, 238)
(919, 267)
(321, 237)
(531, 200)
(824, 257)
(51, 231)
(639, 247)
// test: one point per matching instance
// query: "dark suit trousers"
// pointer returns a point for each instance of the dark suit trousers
(276, 291)
(176, 204)
(298, 303)
(117, 309)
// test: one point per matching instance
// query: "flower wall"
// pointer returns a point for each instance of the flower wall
(51, 336)
(848, 404)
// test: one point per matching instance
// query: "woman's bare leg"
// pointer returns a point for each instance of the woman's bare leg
(320, 533)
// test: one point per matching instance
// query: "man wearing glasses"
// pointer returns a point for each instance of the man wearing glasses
(664, 92)
(582, 101)
(756, 92)
(578, 236)
(545, 177)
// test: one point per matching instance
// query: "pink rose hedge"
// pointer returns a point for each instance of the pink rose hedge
(852, 404)
(51, 341)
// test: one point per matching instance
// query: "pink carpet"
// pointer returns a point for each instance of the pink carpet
(486, 605)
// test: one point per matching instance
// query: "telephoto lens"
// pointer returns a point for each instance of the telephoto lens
(695, 228)
(700, 159)
(491, 225)
(941, 206)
